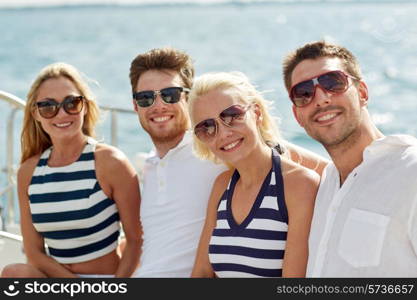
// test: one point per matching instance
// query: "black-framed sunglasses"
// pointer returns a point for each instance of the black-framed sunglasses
(334, 82)
(206, 130)
(169, 95)
(48, 108)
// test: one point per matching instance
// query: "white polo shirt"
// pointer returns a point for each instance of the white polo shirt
(368, 227)
(175, 194)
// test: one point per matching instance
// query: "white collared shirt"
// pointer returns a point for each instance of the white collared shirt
(174, 200)
(368, 226)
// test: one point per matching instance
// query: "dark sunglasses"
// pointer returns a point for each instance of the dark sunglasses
(334, 82)
(169, 95)
(206, 130)
(48, 108)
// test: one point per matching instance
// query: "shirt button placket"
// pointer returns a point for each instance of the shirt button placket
(161, 177)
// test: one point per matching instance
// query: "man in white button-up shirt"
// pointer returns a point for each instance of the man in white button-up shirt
(365, 217)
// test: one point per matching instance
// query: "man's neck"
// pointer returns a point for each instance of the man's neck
(349, 154)
(162, 147)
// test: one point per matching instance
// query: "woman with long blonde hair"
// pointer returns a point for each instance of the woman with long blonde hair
(73, 191)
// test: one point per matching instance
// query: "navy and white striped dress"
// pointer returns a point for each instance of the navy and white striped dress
(70, 210)
(254, 248)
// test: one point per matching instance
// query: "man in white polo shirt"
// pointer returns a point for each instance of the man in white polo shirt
(365, 216)
(176, 184)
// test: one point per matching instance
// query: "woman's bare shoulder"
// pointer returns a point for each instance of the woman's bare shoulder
(299, 181)
(111, 158)
(27, 167)
(106, 151)
(223, 179)
(220, 185)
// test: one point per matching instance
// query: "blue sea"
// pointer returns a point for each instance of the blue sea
(102, 38)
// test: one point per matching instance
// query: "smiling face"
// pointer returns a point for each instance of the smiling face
(162, 121)
(63, 125)
(230, 144)
(330, 118)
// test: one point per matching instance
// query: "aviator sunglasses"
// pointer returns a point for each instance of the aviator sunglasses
(48, 108)
(206, 130)
(169, 95)
(334, 82)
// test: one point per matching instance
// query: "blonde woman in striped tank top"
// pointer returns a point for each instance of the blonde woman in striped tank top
(73, 191)
(259, 212)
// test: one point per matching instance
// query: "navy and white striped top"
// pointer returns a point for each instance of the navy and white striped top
(70, 210)
(254, 248)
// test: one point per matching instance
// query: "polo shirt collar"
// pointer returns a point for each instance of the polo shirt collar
(186, 140)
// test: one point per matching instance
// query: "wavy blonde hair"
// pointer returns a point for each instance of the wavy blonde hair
(35, 140)
(247, 93)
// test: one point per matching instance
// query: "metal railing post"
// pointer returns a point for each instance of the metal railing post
(10, 168)
(114, 128)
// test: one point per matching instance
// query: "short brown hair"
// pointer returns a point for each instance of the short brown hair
(162, 58)
(317, 50)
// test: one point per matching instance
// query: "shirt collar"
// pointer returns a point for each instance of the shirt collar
(186, 140)
(380, 146)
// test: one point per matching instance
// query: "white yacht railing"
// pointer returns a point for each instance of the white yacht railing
(16, 104)
(9, 169)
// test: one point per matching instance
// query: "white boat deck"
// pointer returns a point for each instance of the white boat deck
(11, 247)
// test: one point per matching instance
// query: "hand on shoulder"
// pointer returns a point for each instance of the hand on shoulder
(306, 158)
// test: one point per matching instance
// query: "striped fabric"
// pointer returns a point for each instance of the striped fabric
(254, 248)
(70, 210)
